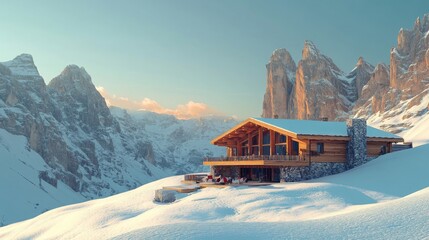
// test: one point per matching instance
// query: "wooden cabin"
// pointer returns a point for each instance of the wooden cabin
(265, 149)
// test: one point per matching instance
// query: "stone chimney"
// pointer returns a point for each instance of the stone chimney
(356, 148)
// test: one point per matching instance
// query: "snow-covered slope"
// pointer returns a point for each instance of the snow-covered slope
(94, 150)
(419, 134)
(23, 194)
(402, 117)
(385, 198)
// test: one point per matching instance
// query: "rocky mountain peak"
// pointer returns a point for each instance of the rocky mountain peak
(381, 74)
(422, 25)
(71, 79)
(360, 61)
(363, 65)
(282, 56)
(281, 71)
(310, 50)
(417, 23)
(360, 76)
(22, 65)
(75, 73)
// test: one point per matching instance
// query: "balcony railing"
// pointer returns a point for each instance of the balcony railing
(259, 157)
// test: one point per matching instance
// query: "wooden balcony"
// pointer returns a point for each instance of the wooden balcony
(263, 160)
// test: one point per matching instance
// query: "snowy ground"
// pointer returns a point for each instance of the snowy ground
(22, 194)
(386, 198)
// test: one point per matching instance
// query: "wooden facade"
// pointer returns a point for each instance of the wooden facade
(255, 144)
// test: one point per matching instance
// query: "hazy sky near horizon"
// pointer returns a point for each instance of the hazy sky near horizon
(178, 54)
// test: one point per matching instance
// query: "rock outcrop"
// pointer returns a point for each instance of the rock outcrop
(280, 81)
(360, 76)
(85, 146)
(401, 96)
(307, 91)
(391, 97)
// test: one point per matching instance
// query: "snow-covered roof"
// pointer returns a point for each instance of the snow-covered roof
(320, 128)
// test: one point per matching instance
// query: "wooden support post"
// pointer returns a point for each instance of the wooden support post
(239, 149)
(249, 143)
(260, 140)
(272, 142)
(289, 145)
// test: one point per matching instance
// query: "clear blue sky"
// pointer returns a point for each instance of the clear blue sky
(205, 51)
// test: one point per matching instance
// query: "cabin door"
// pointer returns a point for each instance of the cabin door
(276, 175)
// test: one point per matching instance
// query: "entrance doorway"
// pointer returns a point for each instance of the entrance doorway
(261, 174)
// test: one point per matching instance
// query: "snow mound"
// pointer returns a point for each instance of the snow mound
(385, 198)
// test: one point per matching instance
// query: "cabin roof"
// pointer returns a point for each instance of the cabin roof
(321, 128)
(309, 128)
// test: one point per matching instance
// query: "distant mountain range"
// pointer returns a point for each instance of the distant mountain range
(87, 150)
(394, 97)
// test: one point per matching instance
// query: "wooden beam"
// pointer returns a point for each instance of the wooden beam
(289, 145)
(239, 149)
(249, 144)
(272, 142)
(395, 140)
(280, 163)
(317, 137)
(268, 126)
(260, 140)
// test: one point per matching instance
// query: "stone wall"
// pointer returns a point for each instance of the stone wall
(356, 147)
(315, 170)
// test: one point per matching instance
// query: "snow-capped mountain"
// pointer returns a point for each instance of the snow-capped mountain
(84, 147)
(393, 97)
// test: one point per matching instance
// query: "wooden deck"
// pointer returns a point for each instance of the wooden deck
(280, 163)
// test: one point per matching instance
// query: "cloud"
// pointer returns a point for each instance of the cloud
(182, 111)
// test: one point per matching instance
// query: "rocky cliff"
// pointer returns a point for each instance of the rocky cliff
(392, 97)
(280, 81)
(94, 150)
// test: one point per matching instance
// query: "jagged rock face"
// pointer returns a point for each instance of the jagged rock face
(321, 89)
(371, 101)
(29, 111)
(409, 55)
(406, 88)
(280, 79)
(378, 94)
(92, 151)
(360, 76)
(316, 88)
(74, 89)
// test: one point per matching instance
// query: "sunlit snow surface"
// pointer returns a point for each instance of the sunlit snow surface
(386, 198)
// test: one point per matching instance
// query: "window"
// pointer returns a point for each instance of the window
(282, 139)
(320, 148)
(280, 150)
(266, 150)
(255, 140)
(255, 150)
(266, 138)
